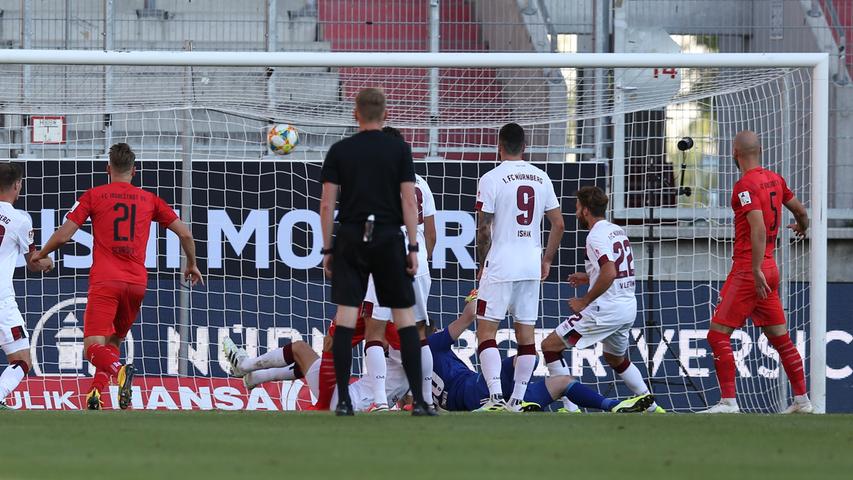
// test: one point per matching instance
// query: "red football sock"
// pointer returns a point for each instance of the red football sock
(100, 381)
(104, 358)
(724, 362)
(791, 361)
(327, 381)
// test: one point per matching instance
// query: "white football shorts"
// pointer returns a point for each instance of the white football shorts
(580, 331)
(519, 298)
(422, 285)
(13, 329)
(359, 393)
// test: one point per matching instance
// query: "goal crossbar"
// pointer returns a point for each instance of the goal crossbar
(410, 59)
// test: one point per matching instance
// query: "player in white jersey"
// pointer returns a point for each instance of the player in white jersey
(608, 310)
(290, 361)
(377, 315)
(16, 239)
(512, 200)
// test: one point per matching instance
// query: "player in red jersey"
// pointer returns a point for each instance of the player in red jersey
(751, 289)
(121, 216)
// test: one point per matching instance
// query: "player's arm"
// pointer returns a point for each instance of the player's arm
(758, 242)
(328, 199)
(410, 220)
(458, 326)
(602, 284)
(801, 217)
(555, 216)
(429, 235)
(185, 235)
(56, 241)
(484, 237)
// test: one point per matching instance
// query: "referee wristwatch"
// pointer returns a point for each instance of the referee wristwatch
(326, 251)
(414, 248)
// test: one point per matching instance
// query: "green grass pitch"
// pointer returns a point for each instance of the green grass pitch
(255, 445)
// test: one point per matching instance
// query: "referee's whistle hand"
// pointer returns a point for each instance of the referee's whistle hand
(412, 264)
(327, 266)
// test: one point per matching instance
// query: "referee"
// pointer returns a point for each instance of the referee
(375, 176)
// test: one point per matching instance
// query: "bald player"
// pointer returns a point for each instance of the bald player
(751, 289)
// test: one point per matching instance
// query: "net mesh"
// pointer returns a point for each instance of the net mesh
(199, 135)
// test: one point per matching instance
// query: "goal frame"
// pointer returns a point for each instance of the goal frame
(817, 62)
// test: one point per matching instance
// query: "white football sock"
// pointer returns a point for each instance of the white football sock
(9, 381)
(271, 375)
(426, 372)
(271, 359)
(376, 370)
(634, 380)
(559, 367)
(524, 365)
(490, 364)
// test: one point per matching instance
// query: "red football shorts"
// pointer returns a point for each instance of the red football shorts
(366, 311)
(739, 300)
(112, 308)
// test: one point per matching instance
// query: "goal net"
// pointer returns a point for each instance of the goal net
(200, 137)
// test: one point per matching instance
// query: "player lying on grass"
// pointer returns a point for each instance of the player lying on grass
(457, 388)
(298, 360)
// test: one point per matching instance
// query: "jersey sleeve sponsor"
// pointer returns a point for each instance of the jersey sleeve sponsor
(81, 210)
(486, 195)
(163, 213)
(746, 197)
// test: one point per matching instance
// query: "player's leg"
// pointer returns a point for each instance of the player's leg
(493, 299)
(524, 307)
(130, 298)
(374, 353)
(770, 316)
(18, 357)
(275, 365)
(375, 322)
(553, 346)
(525, 363)
(16, 346)
(737, 300)
(422, 286)
(394, 289)
(616, 355)
(349, 284)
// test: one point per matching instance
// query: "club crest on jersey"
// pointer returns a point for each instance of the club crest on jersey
(744, 198)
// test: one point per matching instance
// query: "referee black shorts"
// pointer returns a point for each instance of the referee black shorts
(384, 257)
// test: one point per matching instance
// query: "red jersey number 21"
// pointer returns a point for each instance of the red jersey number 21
(127, 214)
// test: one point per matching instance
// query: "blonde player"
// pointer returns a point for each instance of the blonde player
(16, 238)
(607, 311)
(377, 316)
(511, 202)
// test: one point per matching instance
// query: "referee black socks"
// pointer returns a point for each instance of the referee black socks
(410, 349)
(342, 354)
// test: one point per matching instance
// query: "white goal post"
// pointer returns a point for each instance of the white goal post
(816, 64)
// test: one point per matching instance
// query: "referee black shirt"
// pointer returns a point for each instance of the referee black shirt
(369, 167)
